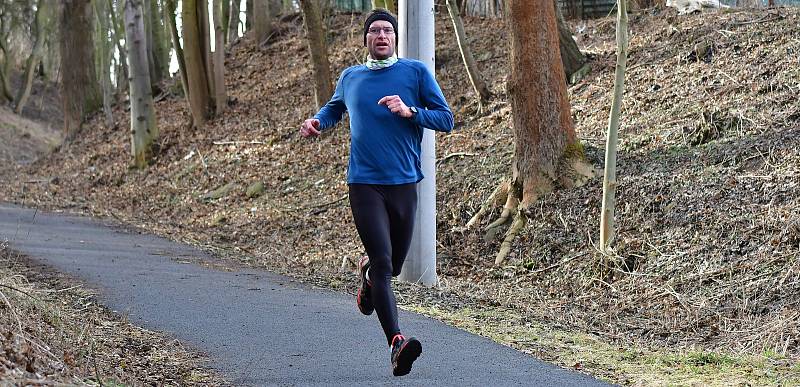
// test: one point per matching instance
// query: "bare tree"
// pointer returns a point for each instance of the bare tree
(233, 23)
(196, 66)
(123, 75)
(144, 129)
(318, 47)
(263, 20)
(170, 7)
(573, 59)
(41, 19)
(547, 153)
(219, 58)
(78, 79)
(6, 25)
(474, 74)
(159, 45)
(610, 177)
(105, 50)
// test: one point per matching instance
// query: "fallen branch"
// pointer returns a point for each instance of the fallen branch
(239, 143)
(456, 154)
(320, 208)
(762, 20)
(19, 291)
(557, 264)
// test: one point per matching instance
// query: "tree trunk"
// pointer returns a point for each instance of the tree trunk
(572, 58)
(475, 76)
(143, 117)
(262, 20)
(159, 44)
(147, 19)
(122, 77)
(610, 178)
(275, 7)
(248, 17)
(205, 35)
(80, 93)
(219, 59)
(318, 47)
(547, 153)
(42, 7)
(196, 74)
(226, 19)
(106, 56)
(5, 66)
(233, 23)
(169, 15)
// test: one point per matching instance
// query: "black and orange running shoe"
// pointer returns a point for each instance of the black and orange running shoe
(364, 297)
(404, 352)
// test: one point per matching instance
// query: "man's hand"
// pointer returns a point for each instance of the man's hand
(310, 127)
(396, 105)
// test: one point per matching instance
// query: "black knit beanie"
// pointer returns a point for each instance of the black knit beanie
(379, 14)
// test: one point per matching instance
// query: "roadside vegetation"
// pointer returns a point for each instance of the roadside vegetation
(53, 331)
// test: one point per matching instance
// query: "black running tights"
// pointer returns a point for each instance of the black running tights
(384, 218)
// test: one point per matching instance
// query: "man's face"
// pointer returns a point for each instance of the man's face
(381, 37)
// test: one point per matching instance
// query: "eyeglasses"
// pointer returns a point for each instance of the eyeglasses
(377, 30)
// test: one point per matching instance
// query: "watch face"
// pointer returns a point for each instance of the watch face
(413, 110)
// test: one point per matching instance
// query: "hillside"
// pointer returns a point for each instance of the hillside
(708, 197)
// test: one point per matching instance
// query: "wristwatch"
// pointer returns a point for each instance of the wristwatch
(414, 112)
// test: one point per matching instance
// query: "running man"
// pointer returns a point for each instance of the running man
(390, 101)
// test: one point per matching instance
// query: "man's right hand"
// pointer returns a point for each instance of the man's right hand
(310, 127)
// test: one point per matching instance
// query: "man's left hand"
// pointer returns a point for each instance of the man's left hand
(396, 105)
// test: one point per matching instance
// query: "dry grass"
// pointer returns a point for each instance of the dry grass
(53, 332)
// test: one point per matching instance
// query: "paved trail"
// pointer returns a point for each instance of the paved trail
(260, 329)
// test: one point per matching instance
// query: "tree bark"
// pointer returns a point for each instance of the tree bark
(318, 47)
(248, 17)
(226, 15)
(159, 44)
(169, 15)
(143, 118)
(106, 55)
(263, 20)
(122, 77)
(205, 35)
(40, 19)
(547, 153)
(233, 23)
(275, 7)
(80, 92)
(475, 76)
(196, 74)
(5, 66)
(572, 57)
(610, 177)
(147, 19)
(219, 59)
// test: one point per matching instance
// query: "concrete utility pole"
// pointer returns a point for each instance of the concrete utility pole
(417, 42)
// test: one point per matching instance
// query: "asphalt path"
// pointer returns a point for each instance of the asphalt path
(259, 328)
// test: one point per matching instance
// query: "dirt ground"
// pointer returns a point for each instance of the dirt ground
(53, 332)
(708, 205)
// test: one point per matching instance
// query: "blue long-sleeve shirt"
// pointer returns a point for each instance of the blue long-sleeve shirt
(384, 147)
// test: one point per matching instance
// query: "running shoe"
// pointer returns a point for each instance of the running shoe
(404, 352)
(364, 300)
